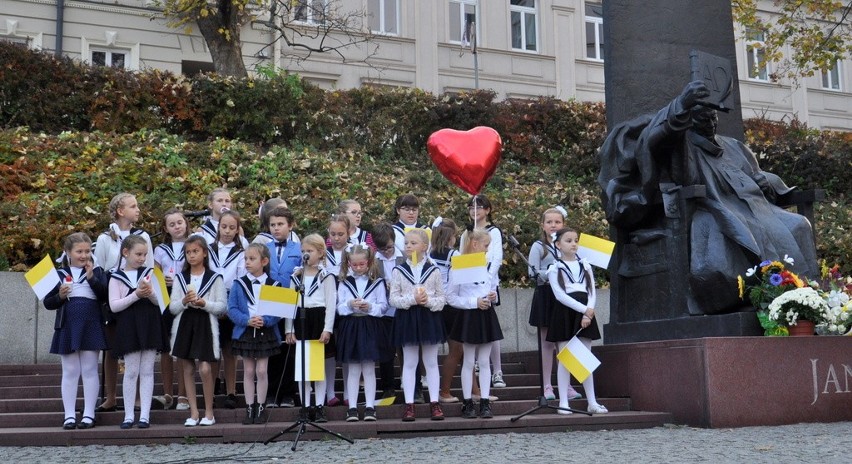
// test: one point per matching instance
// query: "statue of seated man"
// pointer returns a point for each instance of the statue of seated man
(733, 223)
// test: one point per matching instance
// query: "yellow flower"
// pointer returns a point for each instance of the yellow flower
(741, 285)
(774, 264)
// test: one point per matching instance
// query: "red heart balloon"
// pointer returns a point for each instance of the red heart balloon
(467, 158)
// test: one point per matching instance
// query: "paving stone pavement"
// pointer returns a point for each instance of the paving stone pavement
(817, 443)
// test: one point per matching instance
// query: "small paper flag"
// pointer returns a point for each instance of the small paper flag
(414, 258)
(578, 359)
(386, 401)
(469, 268)
(314, 360)
(160, 289)
(595, 250)
(277, 301)
(43, 277)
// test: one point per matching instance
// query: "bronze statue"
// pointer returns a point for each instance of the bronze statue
(672, 187)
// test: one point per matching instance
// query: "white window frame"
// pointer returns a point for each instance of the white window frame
(131, 62)
(477, 14)
(597, 24)
(755, 52)
(833, 78)
(310, 8)
(524, 11)
(383, 18)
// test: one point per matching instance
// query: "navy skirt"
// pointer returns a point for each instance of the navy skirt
(194, 336)
(313, 327)
(138, 328)
(565, 322)
(359, 339)
(418, 325)
(82, 330)
(476, 326)
(542, 306)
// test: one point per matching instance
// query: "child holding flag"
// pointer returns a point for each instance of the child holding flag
(361, 301)
(417, 292)
(476, 327)
(139, 329)
(573, 286)
(78, 331)
(255, 337)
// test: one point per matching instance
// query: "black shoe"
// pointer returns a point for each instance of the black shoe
(286, 402)
(468, 409)
(231, 401)
(319, 414)
(352, 415)
(389, 393)
(485, 409)
(69, 424)
(126, 425)
(143, 424)
(261, 416)
(250, 412)
(370, 414)
(83, 424)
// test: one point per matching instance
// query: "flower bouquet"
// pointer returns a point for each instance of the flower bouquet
(799, 304)
(838, 317)
(763, 284)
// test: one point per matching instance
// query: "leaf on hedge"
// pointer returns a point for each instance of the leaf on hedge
(90, 210)
(36, 242)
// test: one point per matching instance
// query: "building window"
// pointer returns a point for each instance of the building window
(462, 14)
(524, 31)
(594, 31)
(309, 11)
(758, 67)
(831, 78)
(384, 16)
(109, 57)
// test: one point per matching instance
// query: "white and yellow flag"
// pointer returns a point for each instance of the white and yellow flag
(277, 301)
(43, 277)
(578, 359)
(314, 361)
(595, 250)
(469, 268)
(160, 289)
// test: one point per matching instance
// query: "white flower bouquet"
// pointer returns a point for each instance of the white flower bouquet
(801, 303)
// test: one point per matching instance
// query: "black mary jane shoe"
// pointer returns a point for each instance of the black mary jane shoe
(83, 425)
(69, 424)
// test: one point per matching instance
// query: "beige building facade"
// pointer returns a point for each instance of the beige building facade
(525, 48)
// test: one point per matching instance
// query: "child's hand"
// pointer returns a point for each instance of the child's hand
(169, 280)
(585, 322)
(420, 296)
(90, 265)
(590, 313)
(325, 337)
(64, 291)
(483, 303)
(200, 302)
(290, 339)
(144, 291)
(492, 296)
(256, 322)
(189, 297)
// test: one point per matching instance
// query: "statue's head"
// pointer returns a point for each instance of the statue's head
(704, 120)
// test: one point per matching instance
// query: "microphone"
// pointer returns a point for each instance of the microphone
(305, 258)
(195, 214)
(224, 209)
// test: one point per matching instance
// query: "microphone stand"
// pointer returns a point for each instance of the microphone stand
(304, 420)
(542, 401)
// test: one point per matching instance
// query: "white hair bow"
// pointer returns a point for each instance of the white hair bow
(437, 222)
(562, 211)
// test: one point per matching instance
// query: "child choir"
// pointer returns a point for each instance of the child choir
(368, 296)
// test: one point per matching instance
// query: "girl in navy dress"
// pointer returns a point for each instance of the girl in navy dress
(573, 287)
(168, 256)
(416, 291)
(227, 258)
(139, 328)
(361, 301)
(476, 327)
(198, 299)
(543, 253)
(78, 331)
(255, 336)
(319, 305)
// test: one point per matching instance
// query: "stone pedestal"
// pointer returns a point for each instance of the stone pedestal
(723, 325)
(733, 381)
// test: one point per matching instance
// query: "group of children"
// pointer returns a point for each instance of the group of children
(367, 297)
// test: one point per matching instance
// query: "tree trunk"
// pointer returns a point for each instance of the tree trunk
(227, 52)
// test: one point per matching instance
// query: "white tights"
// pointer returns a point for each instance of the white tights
(496, 360)
(330, 374)
(138, 365)
(564, 379)
(479, 353)
(74, 365)
(368, 369)
(409, 370)
(255, 367)
(547, 350)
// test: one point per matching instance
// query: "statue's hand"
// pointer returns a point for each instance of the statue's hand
(694, 92)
